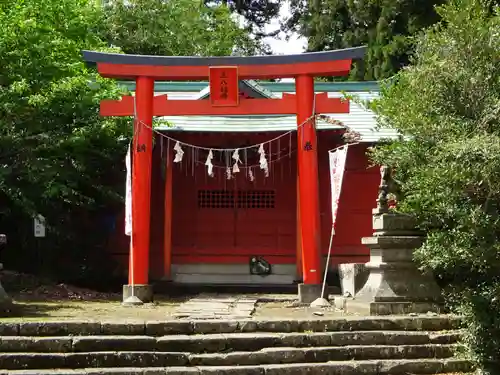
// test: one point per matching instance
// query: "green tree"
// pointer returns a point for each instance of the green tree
(386, 26)
(257, 13)
(58, 156)
(446, 106)
(175, 28)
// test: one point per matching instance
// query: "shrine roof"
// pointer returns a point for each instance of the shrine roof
(360, 119)
(249, 87)
(265, 86)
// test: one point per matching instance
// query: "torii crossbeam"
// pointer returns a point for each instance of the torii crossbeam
(224, 74)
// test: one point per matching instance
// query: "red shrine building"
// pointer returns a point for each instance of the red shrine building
(204, 208)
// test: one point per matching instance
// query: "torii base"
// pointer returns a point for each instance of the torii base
(142, 292)
(308, 293)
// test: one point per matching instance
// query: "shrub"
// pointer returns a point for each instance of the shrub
(446, 106)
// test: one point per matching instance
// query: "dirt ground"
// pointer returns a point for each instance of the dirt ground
(89, 311)
(38, 299)
(101, 310)
(113, 310)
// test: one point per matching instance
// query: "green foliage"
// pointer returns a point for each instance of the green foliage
(386, 26)
(175, 28)
(447, 106)
(257, 13)
(58, 156)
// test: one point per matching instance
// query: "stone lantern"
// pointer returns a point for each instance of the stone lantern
(395, 285)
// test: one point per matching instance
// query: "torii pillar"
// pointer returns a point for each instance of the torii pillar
(142, 154)
(308, 197)
(224, 74)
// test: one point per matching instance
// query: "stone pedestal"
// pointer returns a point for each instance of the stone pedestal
(143, 292)
(309, 293)
(395, 285)
(352, 278)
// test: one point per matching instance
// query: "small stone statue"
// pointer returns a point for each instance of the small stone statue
(386, 188)
(383, 189)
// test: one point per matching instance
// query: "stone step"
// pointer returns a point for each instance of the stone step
(14, 361)
(269, 356)
(371, 367)
(213, 343)
(175, 327)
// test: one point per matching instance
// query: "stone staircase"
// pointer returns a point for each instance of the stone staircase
(388, 345)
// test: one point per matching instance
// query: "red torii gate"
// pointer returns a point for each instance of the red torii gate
(225, 71)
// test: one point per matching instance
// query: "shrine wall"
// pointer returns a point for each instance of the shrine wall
(359, 192)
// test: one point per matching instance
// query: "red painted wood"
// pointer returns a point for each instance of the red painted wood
(228, 259)
(157, 230)
(354, 220)
(247, 250)
(308, 182)
(201, 73)
(122, 107)
(299, 234)
(237, 233)
(141, 182)
(248, 229)
(224, 86)
(165, 107)
(167, 214)
(357, 199)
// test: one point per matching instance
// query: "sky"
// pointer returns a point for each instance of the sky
(280, 46)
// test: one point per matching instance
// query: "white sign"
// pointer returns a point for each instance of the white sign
(39, 226)
(337, 167)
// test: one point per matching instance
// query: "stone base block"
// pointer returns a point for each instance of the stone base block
(401, 308)
(142, 292)
(396, 224)
(310, 292)
(398, 282)
(352, 278)
(353, 306)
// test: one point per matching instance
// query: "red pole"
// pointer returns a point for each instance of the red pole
(141, 181)
(308, 181)
(299, 233)
(167, 226)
